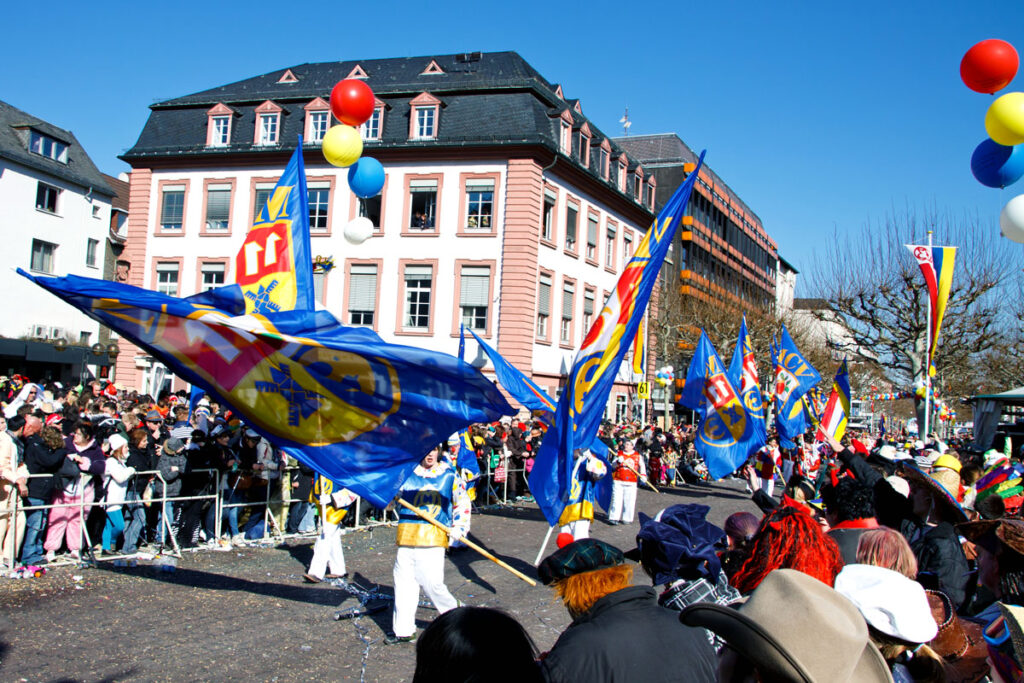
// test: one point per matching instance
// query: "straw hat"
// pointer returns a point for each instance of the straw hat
(940, 493)
(828, 641)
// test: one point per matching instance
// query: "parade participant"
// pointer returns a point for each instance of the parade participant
(434, 488)
(579, 509)
(619, 632)
(767, 463)
(626, 465)
(328, 553)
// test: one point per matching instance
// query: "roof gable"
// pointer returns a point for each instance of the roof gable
(357, 72)
(432, 68)
(288, 77)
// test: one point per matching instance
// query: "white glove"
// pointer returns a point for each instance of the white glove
(456, 534)
(325, 498)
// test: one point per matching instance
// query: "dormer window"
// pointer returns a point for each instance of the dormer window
(218, 126)
(424, 119)
(48, 147)
(604, 160)
(638, 180)
(622, 175)
(584, 144)
(371, 128)
(566, 137)
(318, 119)
(268, 124)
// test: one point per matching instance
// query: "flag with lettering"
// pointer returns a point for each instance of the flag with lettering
(936, 265)
(725, 430)
(274, 266)
(743, 375)
(837, 410)
(581, 407)
(794, 377)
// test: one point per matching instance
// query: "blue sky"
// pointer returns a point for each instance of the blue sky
(822, 116)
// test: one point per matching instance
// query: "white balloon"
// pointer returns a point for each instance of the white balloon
(1011, 219)
(358, 230)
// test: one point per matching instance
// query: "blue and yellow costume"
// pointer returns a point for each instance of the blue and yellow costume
(440, 493)
(583, 489)
(341, 498)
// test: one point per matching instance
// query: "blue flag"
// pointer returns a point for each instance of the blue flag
(743, 374)
(354, 408)
(794, 377)
(521, 387)
(583, 401)
(725, 429)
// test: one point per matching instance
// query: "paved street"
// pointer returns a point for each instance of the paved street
(247, 615)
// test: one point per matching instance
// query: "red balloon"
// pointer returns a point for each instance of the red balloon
(989, 66)
(352, 101)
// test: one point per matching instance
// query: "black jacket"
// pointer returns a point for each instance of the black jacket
(41, 460)
(627, 636)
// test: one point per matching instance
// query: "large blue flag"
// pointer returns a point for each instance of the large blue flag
(725, 430)
(521, 387)
(583, 401)
(794, 377)
(743, 374)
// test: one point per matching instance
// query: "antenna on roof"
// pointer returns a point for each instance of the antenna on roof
(626, 123)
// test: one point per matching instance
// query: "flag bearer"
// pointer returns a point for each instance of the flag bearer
(579, 509)
(327, 552)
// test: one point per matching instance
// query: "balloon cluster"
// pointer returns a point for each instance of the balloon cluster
(352, 103)
(998, 161)
(665, 376)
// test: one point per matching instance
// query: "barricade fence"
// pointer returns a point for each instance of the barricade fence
(275, 505)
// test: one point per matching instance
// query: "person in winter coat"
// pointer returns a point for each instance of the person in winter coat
(134, 511)
(172, 466)
(117, 477)
(593, 580)
(76, 492)
(42, 456)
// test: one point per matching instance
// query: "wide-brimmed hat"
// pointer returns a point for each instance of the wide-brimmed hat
(989, 533)
(795, 628)
(890, 602)
(959, 642)
(940, 494)
(1013, 617)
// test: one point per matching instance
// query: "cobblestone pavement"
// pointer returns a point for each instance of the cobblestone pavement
(247, 615)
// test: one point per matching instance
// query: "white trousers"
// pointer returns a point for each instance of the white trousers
(623, 502)
(327, 552)
(768, 485)
(578, 529)
(416, 568)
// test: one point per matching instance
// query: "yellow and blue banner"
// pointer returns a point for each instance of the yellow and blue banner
(725, 430)
(521, 387)
(837, 410)
(274, 266)
(743, 375)
(581, 406)
(640, 352)
(937, 267)
(794, 377)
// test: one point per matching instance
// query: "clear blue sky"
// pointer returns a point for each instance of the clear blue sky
(819, 115)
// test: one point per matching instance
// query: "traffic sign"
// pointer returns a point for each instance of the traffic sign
(643, 390)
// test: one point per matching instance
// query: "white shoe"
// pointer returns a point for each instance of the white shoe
(51, 556)
(238, 539)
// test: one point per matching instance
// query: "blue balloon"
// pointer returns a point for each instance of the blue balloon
(366, 177)
(996, 165)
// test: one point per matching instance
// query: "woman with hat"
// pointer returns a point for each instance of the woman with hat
(115, 481)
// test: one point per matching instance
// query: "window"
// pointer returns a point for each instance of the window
(319, 122)
(418, 282)
(474, 296)
(603, 161)
(319, 200)
(218, 207)
(91, 247)
(637, 185)
(268, 129)
(584, 148)
(588, 309)
(627, 247)
(622, 176)
(167, 273)
(548, 221)
(543, 306)
(370, 208)
(46, 146)
(263, 192)
(609, 247)
(370, 129)
(565, 139)
(172, 211)
(568, 301)
(213, 276)
(319, 285)
(572, 211)
(650, 196)
(221, 135)
(591, 237)
(362, 294)
(42, 256)
(83, 338)
(423, 203)
(46, 197)
(479, 204)
(426, 123)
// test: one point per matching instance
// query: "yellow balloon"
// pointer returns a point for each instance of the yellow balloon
(1004, 120)
(342, 146)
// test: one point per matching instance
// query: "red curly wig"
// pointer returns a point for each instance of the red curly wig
(789, 538)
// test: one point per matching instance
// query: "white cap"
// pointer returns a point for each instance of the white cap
(453, 439)
(888, 601)
(888, 452)
(116, 441)
(901, 485)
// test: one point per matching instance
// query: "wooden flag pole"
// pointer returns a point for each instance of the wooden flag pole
(641, 477)
(469, 543)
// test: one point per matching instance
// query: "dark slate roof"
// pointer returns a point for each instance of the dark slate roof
(120, 187)
(487, 99)
(14, 139)
(667, 149)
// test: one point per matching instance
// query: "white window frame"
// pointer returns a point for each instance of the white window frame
(214, 225)
(477, 219)
(418, 292)
(319, 211)
(92, 247)
(46, 146)
(213, 269)
(164, 283)
(169, 190)
(319, 122)
(47, 251)
(270, 128)
(221, 136)
(371, 128)
(47, 191)
(358, 314)
(474, 304)
(425, 127)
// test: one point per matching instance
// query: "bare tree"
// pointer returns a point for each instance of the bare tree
(873, 286)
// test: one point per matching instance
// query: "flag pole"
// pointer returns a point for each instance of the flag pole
(544, 546)
(928, 359)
